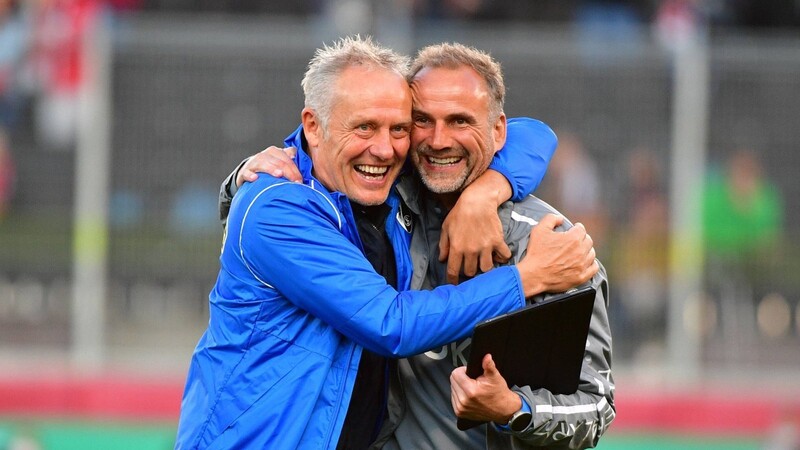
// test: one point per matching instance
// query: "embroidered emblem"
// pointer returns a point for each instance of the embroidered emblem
(404, 219)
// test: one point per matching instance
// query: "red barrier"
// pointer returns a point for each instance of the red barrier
(696, 411)
(92, 398)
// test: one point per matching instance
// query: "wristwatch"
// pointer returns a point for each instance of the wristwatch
(520, 419)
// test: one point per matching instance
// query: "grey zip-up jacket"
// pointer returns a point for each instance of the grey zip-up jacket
(572, 421)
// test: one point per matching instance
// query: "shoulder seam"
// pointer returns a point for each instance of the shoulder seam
(247, 212)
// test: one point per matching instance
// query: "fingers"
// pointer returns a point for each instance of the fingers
(454, 260)
(471, 236)
(561, 259)
(489, 367)
(444, 246)
(587, 244)
(290, 170)
(454, 263)
(578, 231)
(278, 152)
(275, 161)
(458, 374)
(470, 265)
(501, 254)
(486, 261)
(248, 175)
(583, 239)
(592, 270)
(454, 400)
(457, 393)
(551, 221)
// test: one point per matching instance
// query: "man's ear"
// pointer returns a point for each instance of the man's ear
(499, 132)
(311, 127)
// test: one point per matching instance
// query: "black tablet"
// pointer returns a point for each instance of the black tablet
(541, 345)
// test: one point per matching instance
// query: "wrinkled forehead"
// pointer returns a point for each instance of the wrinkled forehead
(366, 87)
(454, 88)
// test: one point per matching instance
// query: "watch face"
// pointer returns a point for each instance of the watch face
(520, 421)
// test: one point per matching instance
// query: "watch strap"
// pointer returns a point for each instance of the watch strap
(524, 410)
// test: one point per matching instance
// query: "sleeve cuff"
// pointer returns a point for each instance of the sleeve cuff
(499, 168)
(231, 186)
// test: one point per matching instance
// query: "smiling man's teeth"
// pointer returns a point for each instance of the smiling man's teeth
(372, 170)
(444, 161)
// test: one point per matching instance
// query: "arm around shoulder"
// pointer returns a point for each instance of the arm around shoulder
(523, 160)
(293, 240)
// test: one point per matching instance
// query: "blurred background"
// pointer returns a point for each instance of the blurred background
(678, 123)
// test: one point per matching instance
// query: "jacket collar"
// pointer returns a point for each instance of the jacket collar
(304, 164)
(410, 189)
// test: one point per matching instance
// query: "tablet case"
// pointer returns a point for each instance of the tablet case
(540, 345)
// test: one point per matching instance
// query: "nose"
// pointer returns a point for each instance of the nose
(381, 146)
(440, 138)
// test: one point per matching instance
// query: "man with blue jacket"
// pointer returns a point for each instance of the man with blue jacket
(296, 303)
(458, 126)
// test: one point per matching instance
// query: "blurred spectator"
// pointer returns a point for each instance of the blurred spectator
(741, 213)
(194, 211)
(676, 22)
(603, 27)
(448, 9)
(61, 29)
(123, 6)
(7, 175)
(573, 182)
(641, 255)
(750, 13)
(120, 12)
(13, 48)
(126, 209)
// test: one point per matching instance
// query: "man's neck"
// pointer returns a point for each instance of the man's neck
(375, 213)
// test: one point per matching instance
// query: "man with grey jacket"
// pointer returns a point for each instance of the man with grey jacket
(458, 123)
(458, 103)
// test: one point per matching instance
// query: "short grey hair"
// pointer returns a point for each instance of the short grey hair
(330, 61)
(455, 55)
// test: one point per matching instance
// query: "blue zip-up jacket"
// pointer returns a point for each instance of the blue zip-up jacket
(296, 301)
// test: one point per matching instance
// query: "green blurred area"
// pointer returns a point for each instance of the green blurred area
(76, 435)
(671, 442)
(43, 244)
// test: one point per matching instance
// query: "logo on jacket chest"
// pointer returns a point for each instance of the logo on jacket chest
(458, 352)
(404, 219)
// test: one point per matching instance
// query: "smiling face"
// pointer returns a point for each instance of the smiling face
(367, 135)
(452, 140)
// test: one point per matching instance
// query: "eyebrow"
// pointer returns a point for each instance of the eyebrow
(418, 112)
(470, 118)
